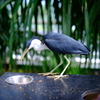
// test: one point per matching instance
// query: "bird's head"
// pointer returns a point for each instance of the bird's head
(31, 43)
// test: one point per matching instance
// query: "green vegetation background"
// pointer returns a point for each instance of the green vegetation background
(23, 19)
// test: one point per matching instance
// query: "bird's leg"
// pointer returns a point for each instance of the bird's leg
(51, 72)
(57, 65)
(65, 67)
(61, 75)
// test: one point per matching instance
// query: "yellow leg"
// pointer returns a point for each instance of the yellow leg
(61, 75)
(51, 72)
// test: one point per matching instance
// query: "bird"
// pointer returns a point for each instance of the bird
(58, 43)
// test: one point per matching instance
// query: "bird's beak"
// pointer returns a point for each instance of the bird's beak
(25, 51)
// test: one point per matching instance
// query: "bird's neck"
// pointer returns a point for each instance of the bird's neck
(38, 45)
(41, 47)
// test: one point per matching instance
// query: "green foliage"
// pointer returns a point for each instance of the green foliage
(22, 19)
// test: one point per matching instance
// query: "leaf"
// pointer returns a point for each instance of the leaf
(3, 3)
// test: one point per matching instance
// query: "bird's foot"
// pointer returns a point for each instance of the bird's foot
(56, 77)
(46, 74)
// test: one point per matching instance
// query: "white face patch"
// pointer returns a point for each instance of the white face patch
(37, 45)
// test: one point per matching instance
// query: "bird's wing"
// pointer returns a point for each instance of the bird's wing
(62, 44)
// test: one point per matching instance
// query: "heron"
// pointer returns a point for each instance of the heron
(58, 43)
